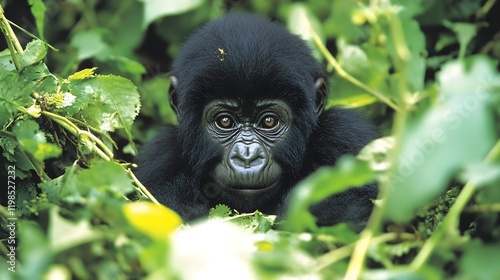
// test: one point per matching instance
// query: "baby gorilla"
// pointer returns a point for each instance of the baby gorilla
(250, 99)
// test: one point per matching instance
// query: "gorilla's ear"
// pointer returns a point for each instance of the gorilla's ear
(321, 95)
(172, 95)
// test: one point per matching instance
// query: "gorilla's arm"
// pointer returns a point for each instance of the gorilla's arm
(339, 132)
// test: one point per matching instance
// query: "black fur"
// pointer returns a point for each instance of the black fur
(245, 57)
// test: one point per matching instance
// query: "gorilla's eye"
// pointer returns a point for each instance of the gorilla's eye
(268, 121)
(225, 122)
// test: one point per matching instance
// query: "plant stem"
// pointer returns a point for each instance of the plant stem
(357, 261)
(141, 187)
(105, 153)
(485, 9)
(345, 251)
(450, 221)
(338, 68)
(32, 35)
(10, 37)
(10, 33)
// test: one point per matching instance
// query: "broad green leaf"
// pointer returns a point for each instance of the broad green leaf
(90, 43)
(475, 77)
(28, 130)
(10, 95)
(16, 89)
(64, 189)
(63, 234)
(105, 102)
(34, 250)
(129, 68)
(38, 10)
(40, 150)
(480, 261)
(368, 64)
(456, 132)
(155, 9)
(34, 52)
(116, 180)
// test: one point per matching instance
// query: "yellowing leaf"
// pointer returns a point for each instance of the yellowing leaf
(83, 74)
(154, 220)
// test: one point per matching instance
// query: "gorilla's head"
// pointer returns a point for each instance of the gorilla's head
(247, 94)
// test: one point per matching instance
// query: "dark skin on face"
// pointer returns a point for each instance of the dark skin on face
(252, 124)
(247, 141)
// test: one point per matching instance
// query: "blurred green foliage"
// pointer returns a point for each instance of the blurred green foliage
(427, 72)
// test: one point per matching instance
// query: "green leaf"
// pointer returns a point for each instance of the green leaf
(340, 22)
(63, 234)
(155, 9)
(465, 33)
(480, 261)
(34, 250)
(325, 182)
(6, 61)
(39, 150)
(90, 43)
(126, 66)
(38, 10)
(64, 188)
(415, 41)
(473, 77)
(14, 93)
(105, 102)
(153, 99)
(32, 140)
(116, 180)
(35, 51)
(438, 144)
(366, 63)
(220, 211)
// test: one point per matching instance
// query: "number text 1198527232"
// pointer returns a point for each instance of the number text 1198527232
(12, 219)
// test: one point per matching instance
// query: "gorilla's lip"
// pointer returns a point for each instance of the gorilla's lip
(247, 191)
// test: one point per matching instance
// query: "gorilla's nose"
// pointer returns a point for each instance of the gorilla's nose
(247, 155)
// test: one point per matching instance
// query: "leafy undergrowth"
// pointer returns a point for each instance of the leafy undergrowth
(427, 71)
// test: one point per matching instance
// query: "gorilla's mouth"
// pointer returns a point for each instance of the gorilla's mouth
(247, 181)
(248, 192)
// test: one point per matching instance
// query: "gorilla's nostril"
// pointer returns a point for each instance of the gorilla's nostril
(247, 155)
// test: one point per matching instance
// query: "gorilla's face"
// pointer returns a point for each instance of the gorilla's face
(247, 135)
